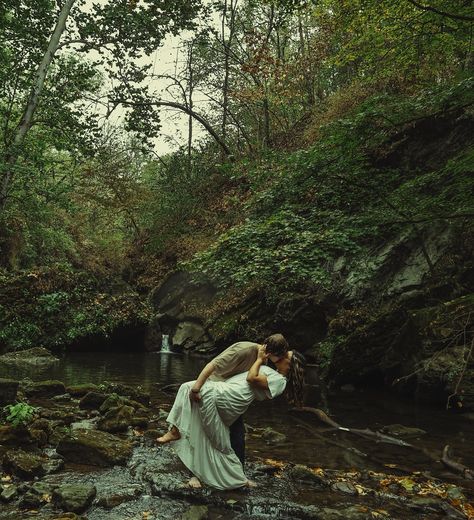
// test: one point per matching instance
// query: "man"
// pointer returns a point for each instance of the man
(238, 358)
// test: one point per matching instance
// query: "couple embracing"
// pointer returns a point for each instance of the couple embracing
(206, 425)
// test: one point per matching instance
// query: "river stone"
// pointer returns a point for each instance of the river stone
(344, 487)
(48, 388)
(9, 493)
(81, 390)
(135, 393)
(26, 361)
(116, 419)
(120, 496)
(74, 497)
(22, 464)
(302, 473)
(8, 391)
(92, 400)
(94, 447)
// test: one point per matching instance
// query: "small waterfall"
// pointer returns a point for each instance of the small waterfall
(165, 344)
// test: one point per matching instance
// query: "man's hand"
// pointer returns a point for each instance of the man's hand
(262, 353)
(194, 396)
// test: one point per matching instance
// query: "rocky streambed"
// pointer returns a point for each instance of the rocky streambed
(89, 451)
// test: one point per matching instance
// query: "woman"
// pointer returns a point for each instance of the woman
(201, 430)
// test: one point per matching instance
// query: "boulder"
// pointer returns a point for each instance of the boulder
(92, 400)
(23, 464)
(135, 393)
(82, 389)
(300, 473)
(25, 362)
(47, 388)
(116, 419)
(10, 436)
(75, 498)
(189, 334)
(94, 447)
(119, 496)
(8, 391)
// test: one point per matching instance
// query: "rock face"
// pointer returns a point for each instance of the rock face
(8, 391)
(94, 447)
(25, 362)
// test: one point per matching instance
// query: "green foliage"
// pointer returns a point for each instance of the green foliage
(19, 414)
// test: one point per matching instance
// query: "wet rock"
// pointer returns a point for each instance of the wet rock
(23, 464)
(42, 488)
(47, 388)
(398, 430)
(126, 494)
(81, 390)
(116, 419)
(63, 398)
(92, 400)
(300, 473)
(40, 437)
(196, 513)
(69, 516)
(74, 497)
(135, 393)
(30, 501)
(25, 361)
(94, 447)
(10, 436)
(272, 437)
(9, 493)
(344, 487)
(8, 391)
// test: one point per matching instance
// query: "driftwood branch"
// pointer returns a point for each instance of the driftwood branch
(467, 473)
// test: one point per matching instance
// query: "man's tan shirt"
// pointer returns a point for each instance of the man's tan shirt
(235, 359)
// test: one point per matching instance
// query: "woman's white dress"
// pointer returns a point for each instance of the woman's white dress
(204, 446)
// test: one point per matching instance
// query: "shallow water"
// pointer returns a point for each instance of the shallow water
(357, 409)
(159, 474)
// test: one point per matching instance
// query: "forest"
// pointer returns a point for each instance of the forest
(177, 176)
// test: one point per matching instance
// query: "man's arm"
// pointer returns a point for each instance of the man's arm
(253, 377)
(202, 378)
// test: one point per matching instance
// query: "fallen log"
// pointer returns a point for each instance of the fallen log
(467, 473)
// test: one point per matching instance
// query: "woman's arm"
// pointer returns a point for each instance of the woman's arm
(253, 376)
(202, 378)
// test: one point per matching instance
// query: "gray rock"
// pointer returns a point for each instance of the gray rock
(119, 496)
(74, 497)
(189, 334)
(344, 487)
(302, 473)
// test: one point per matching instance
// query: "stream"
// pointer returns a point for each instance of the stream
(154, 476)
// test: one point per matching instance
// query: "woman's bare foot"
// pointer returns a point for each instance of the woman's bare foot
(250, 484)
(194, 483)
(172, 435)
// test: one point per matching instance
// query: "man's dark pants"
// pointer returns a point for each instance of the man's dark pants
(237, 438)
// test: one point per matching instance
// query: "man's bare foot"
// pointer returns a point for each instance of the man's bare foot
(194, 483)
(250, 484)
(172, 435)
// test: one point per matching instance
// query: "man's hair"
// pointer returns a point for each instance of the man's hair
(276, 344)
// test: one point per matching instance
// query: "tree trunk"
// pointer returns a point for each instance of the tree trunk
(33, 100)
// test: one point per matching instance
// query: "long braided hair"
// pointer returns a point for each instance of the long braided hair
(295, 385)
